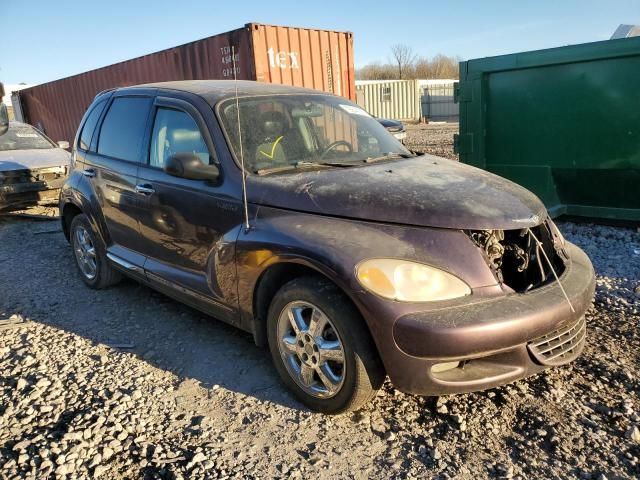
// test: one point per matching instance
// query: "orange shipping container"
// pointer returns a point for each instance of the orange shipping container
(318, 59)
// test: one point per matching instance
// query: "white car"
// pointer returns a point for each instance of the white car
(394, 127)
(32, 167)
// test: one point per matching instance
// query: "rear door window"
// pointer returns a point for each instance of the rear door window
(90, 125)
(123, 128)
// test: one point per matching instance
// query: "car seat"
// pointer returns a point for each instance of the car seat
(269, 151)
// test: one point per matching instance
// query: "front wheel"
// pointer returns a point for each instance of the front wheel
(322, 348)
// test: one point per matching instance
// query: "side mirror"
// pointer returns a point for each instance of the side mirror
(63, 144)
(190, 166)
(4, 119)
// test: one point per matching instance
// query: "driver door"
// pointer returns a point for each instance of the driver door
(184, 222)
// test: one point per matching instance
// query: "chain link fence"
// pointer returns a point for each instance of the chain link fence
(437, 103)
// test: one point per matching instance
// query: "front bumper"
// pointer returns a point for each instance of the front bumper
(495, 340)
(20, 189)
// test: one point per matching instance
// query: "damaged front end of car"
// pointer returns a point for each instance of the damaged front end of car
(27, 187)
(488, 339)
(524, 259)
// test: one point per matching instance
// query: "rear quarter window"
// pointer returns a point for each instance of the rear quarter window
(123, 128)
(90, 125)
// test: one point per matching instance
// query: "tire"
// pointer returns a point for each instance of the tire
(90, 255)
(301, 358)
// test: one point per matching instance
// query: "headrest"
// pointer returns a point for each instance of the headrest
(184, 135)
(272, 123)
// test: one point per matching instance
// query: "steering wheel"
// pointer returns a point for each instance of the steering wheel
(335, 144)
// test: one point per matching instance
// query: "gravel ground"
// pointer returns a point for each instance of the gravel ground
(436, 139)
(126, 383)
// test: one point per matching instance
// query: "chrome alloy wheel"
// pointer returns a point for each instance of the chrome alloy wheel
(311, 349)
(85, 252)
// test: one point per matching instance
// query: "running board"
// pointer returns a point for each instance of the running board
(124, 264)
(158, 280)
(187, 291)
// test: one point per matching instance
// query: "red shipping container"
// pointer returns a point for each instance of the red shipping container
(318, 59)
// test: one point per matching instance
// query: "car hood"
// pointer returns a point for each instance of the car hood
(32, 159)
(394, 124)
(423, 191)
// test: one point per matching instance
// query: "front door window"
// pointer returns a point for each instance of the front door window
(174, 132)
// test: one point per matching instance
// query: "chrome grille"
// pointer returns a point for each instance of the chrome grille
(560, 346)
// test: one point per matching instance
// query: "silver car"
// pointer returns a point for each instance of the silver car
(32, 167)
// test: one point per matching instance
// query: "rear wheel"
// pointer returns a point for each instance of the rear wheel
(90, 255)
(322, 348)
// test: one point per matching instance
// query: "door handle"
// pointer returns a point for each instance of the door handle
(89, 172)
(145, 189)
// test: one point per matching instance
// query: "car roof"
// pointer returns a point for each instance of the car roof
(214, 91)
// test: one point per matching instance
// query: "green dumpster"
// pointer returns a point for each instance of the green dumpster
(562, 122)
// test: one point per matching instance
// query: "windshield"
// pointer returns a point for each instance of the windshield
(281, 131)
(23, 137)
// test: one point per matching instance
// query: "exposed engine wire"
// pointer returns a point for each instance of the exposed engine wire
(553, 270)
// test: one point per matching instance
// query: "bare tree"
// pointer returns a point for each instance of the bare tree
(376, 71)
(423, 68)
(404, 58)
(444, 67)
(439, 66)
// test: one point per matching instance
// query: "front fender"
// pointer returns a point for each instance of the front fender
(334, 246)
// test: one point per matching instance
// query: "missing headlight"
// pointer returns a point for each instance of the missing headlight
(516, 259)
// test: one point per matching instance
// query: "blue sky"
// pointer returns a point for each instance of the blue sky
(45, 40)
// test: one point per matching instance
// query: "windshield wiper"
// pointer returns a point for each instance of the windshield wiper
(388, 156)
(324, 164)
(301, 165)
(265, 171)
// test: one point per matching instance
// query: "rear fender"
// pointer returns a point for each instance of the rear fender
(78, 191)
